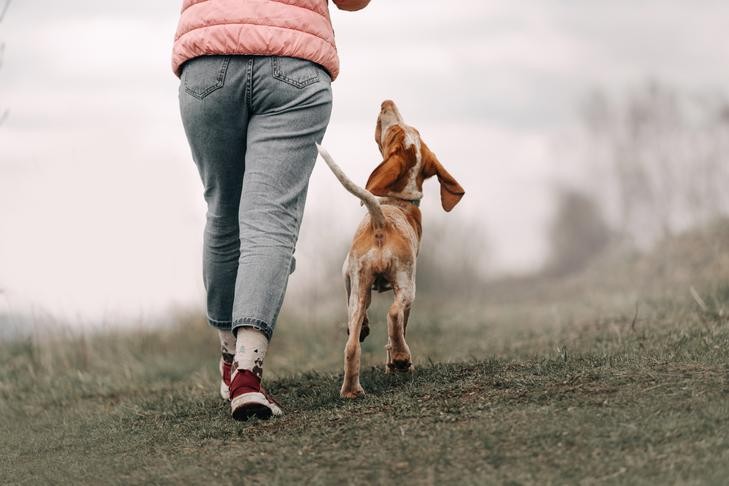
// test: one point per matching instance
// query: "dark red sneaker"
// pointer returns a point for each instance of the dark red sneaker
(249, 398)
(225, 379)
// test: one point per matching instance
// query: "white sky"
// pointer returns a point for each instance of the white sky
(101, 208)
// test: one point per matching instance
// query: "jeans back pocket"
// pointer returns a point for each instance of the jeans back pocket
(205, 74)
(299, 73)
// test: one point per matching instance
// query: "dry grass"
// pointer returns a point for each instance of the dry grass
(535, 382)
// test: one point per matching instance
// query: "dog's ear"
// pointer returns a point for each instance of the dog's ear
(450, 190)
(389, 176)
(386, 175)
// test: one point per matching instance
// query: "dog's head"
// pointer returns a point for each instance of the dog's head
(407, 162)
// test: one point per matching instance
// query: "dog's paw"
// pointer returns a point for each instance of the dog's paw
(354, 393)
(399, 367)
(400, 362)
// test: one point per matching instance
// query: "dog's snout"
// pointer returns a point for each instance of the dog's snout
(389, 114)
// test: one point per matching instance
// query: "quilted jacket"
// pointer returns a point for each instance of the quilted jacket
(293, 28)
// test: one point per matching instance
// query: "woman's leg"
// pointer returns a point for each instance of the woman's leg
(215, 117)
(290, 105)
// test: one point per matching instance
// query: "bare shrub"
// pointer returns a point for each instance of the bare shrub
(453, 258)
(658, 159)
(577, 233)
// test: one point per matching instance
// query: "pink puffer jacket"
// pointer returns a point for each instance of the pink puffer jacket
(294, 28)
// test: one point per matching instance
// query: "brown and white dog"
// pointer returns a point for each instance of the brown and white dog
(386, 243)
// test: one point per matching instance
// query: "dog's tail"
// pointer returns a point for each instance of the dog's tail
(369, 200)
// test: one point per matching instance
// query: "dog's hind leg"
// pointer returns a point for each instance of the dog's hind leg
(398, 352)
(359, 297)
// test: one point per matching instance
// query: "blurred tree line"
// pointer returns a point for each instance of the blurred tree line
(656, 162)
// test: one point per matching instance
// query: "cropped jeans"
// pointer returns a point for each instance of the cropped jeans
(252, 123)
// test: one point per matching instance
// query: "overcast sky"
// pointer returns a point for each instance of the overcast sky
(101, 208)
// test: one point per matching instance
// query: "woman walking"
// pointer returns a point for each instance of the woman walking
(255, 97)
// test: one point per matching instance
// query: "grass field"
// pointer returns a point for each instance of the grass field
(619, 375)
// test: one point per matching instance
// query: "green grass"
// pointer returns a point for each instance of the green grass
(613, 380)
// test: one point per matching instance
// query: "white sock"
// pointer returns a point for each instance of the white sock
(227, 345)
(250, 350)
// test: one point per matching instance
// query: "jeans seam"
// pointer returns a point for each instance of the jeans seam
(219, 324)
(283, 291)
(259, 324)
(249, 83)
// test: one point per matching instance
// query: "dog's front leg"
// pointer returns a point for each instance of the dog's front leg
(398, 351)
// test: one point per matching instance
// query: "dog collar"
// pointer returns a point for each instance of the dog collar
(414, 202)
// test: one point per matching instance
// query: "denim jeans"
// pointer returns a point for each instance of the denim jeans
(252, 123)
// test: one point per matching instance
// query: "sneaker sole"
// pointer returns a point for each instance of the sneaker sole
(248, 405)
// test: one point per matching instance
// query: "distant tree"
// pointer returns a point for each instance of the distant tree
(577, 234)
(658, 159)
